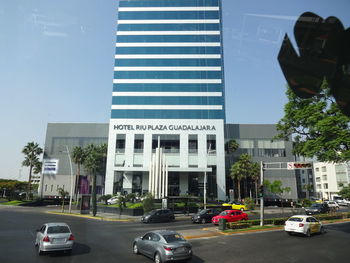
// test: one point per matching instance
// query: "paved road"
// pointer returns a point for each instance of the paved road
(99, 241)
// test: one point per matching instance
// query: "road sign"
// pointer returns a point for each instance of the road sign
(298, 165)
(50, 166)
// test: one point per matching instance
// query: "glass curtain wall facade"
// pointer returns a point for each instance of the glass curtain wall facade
(168, 79)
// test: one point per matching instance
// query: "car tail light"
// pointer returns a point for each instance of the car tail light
(46, 239)
(71, 237)
(168, 248)
(301, 224)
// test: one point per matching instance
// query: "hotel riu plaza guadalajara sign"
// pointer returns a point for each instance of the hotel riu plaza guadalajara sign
(171, 127)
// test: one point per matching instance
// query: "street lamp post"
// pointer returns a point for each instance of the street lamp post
(205, 178)
(71, 180)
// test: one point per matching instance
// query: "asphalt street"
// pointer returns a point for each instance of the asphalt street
(101, 241)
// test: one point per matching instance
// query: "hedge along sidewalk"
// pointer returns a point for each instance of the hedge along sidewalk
(101, 218)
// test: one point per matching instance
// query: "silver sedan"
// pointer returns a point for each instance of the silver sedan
(163, 245)
(54, 237)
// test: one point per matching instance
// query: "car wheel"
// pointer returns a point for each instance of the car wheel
(157, 258)
(203, 221)
(289, 233)
(135, 249)
(322, 230)
(308, 233)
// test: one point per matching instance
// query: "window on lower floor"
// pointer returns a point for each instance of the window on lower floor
(169, 142)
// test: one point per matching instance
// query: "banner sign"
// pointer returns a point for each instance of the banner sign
(122, 127)
(50, 166)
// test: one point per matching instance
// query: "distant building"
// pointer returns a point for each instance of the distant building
(254, 139)
(330, 178)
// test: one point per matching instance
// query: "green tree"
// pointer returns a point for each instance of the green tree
(121, 204)
(317, 125)
(94, 163)
(78, 157)
(32, 152)
(255, 176)
(241, 170)
(91, 164)
(232, 146)
(276, 188)
(63, 193)
(148, 202)
(309, 188)
(345, 192)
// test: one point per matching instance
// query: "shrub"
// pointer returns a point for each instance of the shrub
(238, 225)
(305, 202)
(105, 198)
(148, 202)
(249, 203)
(135, 205)
(329, 217)
(279, 221)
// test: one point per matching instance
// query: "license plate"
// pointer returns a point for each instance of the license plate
(59, 240)
(181, 249)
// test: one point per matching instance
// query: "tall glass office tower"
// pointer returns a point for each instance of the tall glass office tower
(168, 88)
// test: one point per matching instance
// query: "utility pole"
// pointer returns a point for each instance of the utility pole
(262, 193)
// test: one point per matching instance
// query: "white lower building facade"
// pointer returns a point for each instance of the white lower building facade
(330, 178)
(192, 149)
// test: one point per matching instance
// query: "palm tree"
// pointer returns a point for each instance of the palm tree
(255, 176)
(63, 195)
(92, 164)
(32, 152)
(241, 170)
(232, 146)
(78, 157)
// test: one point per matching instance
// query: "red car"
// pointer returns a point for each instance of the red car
(230, 216)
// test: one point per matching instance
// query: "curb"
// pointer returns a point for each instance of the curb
(90, 217)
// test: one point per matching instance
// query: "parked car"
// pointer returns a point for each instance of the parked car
(54, 237)
(162, 246)
(342, 202)
(158, 215)
(230, 216)
(333, 205)
(205, 215)
(303, 224)
(113, 200)
(236, 205)
(317, 208)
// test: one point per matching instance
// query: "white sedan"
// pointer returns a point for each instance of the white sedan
(303, 224)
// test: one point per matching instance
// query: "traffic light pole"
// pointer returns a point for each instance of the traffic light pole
(262, 194)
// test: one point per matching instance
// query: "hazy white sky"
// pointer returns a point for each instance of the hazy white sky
(57, 56)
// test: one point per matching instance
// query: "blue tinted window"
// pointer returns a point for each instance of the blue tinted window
(167, 27)
(123, 100)
(167, 62)
(167, 114)
(170, 38)
(167, 75)
(168, 50)
(169, 3)
(168, 87)
(169, 15)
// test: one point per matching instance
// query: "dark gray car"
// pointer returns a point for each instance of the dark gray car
(158, 215)
(162, 246)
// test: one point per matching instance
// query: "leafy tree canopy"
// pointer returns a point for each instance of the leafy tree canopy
(345, 192)
(318, 127)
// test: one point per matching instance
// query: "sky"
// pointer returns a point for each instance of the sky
(57, 58)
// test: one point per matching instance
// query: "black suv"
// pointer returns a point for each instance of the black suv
(317, 209)
(205, 216)
(158, 215)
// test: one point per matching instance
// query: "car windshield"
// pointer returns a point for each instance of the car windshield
(223, 213)
(315, 205)
(173, 238)
(295, 219)
(204, 211)
(57, 229)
